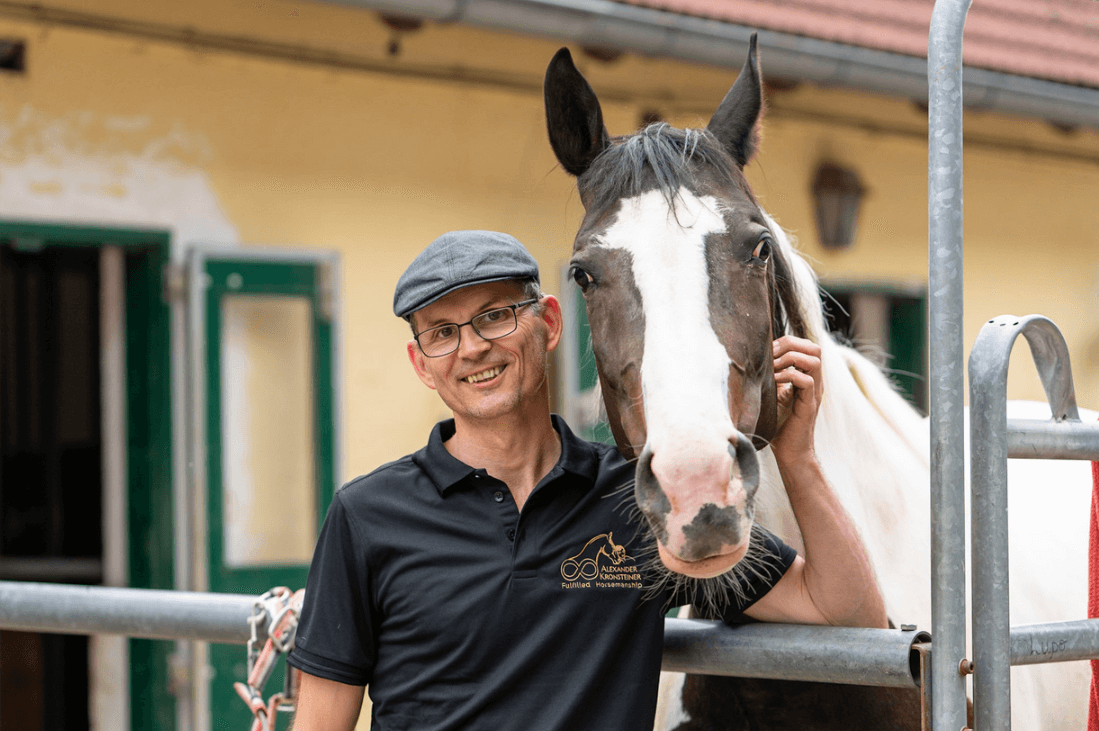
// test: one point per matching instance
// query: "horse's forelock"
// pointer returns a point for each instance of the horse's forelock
(659, 157)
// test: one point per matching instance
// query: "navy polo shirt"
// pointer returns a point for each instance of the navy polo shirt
(460, 612)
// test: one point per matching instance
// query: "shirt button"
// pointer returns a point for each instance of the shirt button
(511, 534)
(498, 496)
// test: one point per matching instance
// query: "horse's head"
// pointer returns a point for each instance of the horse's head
(678, 268)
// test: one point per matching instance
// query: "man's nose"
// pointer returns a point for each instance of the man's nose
(470, 341)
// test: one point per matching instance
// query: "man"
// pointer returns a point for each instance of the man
(495, 579)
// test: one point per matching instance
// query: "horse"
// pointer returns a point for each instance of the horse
(687, 281)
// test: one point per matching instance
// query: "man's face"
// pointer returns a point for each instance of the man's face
(521, 357)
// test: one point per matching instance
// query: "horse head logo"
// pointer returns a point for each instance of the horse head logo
(585, 565)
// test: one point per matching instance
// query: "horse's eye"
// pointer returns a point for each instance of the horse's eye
(583, 279)
(762, 252)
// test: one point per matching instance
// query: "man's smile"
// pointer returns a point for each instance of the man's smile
(484, 375)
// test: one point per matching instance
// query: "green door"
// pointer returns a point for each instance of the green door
(578, 380)
(263, 324)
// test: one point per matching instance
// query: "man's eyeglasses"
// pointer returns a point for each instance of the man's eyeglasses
(491, 325)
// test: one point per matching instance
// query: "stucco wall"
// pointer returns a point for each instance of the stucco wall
(223, 145)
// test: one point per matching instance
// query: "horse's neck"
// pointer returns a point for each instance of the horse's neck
(873, 447)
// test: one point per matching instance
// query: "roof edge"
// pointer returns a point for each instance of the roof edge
(672, 35)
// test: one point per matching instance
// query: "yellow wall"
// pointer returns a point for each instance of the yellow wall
(375, 161)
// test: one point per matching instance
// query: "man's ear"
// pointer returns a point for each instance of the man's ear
(417, 357)
(555, 321)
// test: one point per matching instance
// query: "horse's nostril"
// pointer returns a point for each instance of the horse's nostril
(650, 498)
(744, 455)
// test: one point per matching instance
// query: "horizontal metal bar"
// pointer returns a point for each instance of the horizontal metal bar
(1047, 439)
(853, 656)
(1033, 644)
(149, 613)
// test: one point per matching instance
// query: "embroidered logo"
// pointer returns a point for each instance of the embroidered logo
(602, 564)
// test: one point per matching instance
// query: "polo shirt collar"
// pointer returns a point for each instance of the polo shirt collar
(578, 457)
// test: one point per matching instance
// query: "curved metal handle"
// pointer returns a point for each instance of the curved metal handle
(988, 361)
(988, 364)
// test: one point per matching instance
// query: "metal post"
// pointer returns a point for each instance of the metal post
(988, 364)
(944, 206)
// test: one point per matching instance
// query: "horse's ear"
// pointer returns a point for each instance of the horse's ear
(735, 123)
(573, 116)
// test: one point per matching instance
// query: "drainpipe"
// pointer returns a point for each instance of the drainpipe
(651, 32)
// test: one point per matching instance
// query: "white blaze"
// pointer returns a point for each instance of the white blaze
(685, 369)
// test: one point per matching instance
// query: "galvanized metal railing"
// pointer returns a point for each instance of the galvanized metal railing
(148, 613)
(992, 438)
(946, 392)
(823, 654)
(1065, 437)
(888, 658)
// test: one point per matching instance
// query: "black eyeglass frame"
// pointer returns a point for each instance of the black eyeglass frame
(514, 318)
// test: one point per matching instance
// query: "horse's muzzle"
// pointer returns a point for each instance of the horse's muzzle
(699, 506)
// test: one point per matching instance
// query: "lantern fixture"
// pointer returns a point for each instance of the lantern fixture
(837, 194)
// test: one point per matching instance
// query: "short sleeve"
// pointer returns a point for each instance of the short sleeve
(335, 638)
(767, 561)
(726, 597)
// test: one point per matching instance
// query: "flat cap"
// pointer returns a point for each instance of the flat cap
(459, 259)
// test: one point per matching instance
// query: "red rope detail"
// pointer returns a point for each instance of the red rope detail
(1093, 594)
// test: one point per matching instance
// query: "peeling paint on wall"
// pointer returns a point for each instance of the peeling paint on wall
(83, 168)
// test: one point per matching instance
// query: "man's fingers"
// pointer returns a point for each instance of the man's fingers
(796, 378)
(800, 361)
(797, 361)
(790, 343)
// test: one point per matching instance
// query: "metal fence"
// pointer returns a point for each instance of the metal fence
(992, 437)
(820, 654)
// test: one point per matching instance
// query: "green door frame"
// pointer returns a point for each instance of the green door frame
(907, 342)
(149, 435)
(279, 279)
(242, 271)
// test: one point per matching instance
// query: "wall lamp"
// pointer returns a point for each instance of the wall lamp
(837, 197)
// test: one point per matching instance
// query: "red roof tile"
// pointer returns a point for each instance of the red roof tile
(1047, 39)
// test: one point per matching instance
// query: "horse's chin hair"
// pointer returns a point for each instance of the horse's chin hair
(713, 597)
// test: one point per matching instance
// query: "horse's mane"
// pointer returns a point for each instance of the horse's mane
(850, 376)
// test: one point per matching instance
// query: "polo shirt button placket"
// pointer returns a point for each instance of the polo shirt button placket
(511, 534)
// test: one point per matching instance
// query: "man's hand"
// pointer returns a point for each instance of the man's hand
(800, 392)
(325, 705)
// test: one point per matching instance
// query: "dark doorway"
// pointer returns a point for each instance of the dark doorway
(50, 468)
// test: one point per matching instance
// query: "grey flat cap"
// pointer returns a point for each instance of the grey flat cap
(459, 259)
